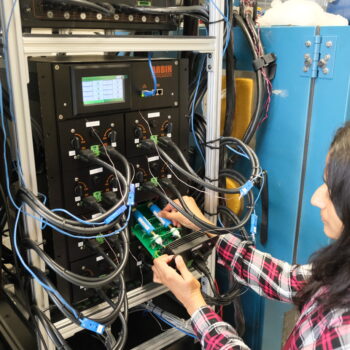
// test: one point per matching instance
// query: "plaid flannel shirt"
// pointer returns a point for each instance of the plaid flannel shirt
(275, 279)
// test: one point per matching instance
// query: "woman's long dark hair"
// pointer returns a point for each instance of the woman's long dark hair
(331, 265)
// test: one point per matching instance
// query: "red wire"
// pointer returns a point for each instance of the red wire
(221, 312)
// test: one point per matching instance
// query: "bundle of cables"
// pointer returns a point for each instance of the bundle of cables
(110, 7)
(110, 225)
(264, 67)
(244, 190)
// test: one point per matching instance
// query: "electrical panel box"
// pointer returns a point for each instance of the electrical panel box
(91, 102)
(69, 14)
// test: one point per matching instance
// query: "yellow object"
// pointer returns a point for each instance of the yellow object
(243, 114)
(243, 108)
(233, 201)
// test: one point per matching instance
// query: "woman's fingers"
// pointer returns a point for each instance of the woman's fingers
(181, 266)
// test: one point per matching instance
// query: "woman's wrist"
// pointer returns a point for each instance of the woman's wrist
(194, 304)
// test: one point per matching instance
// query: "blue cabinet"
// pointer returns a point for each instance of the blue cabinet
(308, 105)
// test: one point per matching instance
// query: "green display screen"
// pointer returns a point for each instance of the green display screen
(103, 89)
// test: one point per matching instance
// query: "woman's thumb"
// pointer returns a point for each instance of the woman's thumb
(181, 266)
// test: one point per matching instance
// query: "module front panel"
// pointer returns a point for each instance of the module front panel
(90, 104)
(66, 14)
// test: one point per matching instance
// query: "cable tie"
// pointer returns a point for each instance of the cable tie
(267, 61)
(92, 325)
(210, 214)
(114, 215)
(211, 180)
(40, 243)
(246, 188)
(211, 147)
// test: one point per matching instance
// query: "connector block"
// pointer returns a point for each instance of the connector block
(100, 240)
(98, 196)
(95, 149)
(154, 138)
(154, 181)
(144, 3)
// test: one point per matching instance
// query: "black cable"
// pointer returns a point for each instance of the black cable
(104, 7)
(116, 307)
(230, 82)
(72, 225)
(203, 224)
(217, 299)
(50, 329)
(167, 141)
(78, 280)
(205, 228)
(65, 224)
(259, 81)
(199, 12)
(114, 153)
(226, 141)
(67, 313)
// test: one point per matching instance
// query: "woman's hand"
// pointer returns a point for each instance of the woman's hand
(184, 286)
(178, 220)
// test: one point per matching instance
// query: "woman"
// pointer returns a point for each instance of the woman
(321, 290)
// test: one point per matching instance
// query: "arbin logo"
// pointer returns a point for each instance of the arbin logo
(163, 71)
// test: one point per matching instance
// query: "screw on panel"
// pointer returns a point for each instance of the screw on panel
(176, 103)
(60, 117)
(156, 19)
(72, 131)
(210, 55)
(176, 63)
(322, 62)
(308, 43)
(131, 18)
(329, 44)
(83, 15)
(112, 125)
(116, 17)
(327, 57)
(57, 67)
(209, 67)
(65, 104)
(49, 14)
(144, 19)
(66, 15)
(136, 121)
(325, 70)
(169, 116)
(305, 69)
(99, 16)
(76, 179)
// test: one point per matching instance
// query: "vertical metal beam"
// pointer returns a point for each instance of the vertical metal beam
(214, 68)
(18, 76)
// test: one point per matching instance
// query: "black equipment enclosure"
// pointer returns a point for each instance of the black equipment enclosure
(120, 118)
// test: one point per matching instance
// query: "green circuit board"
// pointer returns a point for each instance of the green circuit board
(148, 240)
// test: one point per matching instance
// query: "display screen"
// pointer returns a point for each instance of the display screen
(103, 89)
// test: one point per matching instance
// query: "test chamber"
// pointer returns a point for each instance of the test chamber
(310, 100)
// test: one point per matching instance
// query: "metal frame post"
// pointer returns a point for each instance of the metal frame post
(214, 68)
(18, 75)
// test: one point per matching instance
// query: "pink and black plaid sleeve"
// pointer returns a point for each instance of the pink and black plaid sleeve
(316, 329)
(266, 275)
(213, 333)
